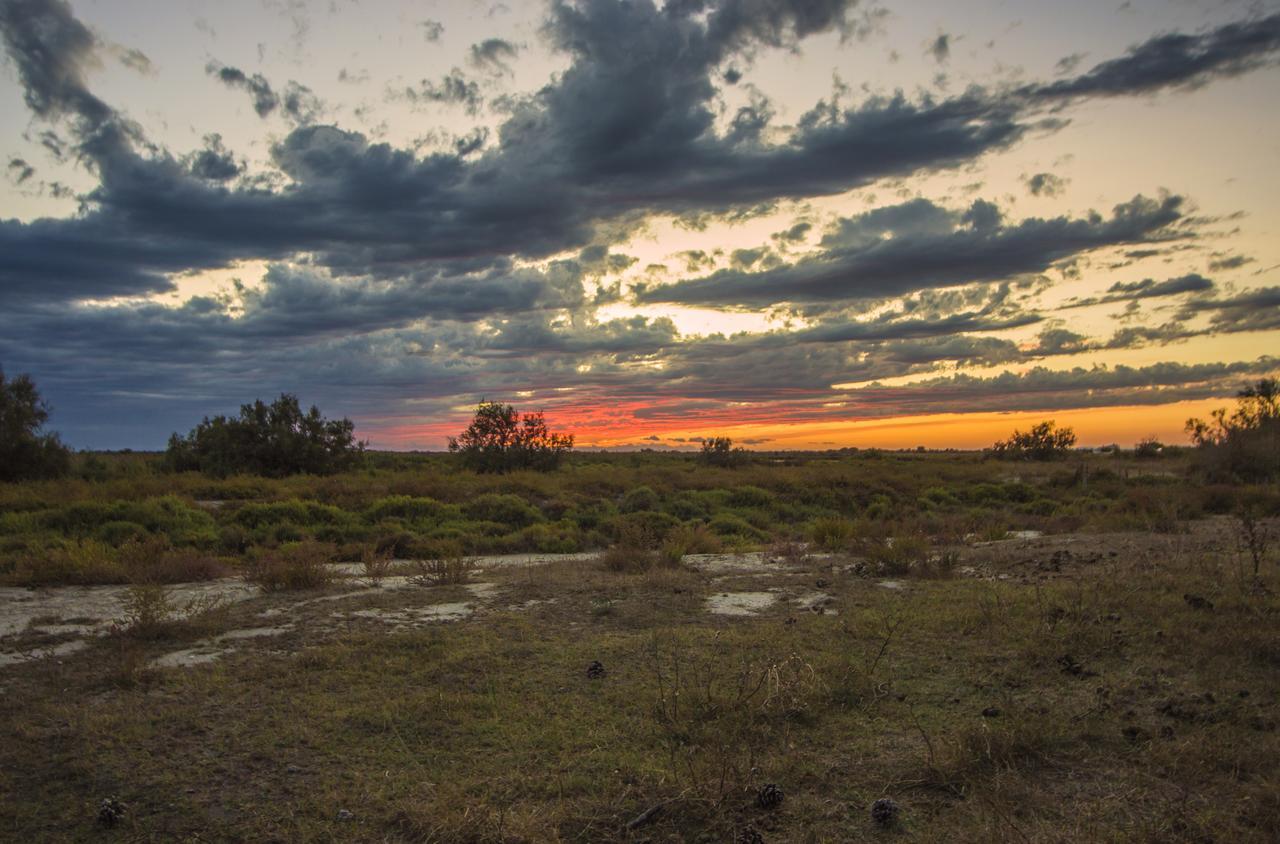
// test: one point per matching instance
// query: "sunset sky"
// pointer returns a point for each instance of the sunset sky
(800, 223)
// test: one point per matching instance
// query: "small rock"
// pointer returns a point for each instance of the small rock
(769, 796)
(293, 769)
(991, 712)
(595, 670)
(822, 583)
(111, 811)
(884, 811)
(344, 815)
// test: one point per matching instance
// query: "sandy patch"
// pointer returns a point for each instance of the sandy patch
(740, 603)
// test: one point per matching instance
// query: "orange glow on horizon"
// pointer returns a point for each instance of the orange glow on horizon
(618, 426)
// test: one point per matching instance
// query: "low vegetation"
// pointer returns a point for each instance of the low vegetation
(907, 657)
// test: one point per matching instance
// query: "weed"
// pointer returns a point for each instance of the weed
(148, 609)
(298, 565)
(443, 564)
(832, 533)
(376, 564)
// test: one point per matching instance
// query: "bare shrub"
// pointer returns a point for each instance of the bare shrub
(793, 552)
(442, 564)
(148, 610)
(633, 552)
(376, 564)
(722, 714)
(153, 559)
(296, 565)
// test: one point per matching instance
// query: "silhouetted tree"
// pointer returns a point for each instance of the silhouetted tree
(719, 451)
(26, 453)
(1044, 441)
(1246, 444)
(272, 440)
(500, 439)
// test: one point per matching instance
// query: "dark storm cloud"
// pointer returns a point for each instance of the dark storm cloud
(412, 285)
(215, 162)
(1042, 389)
(1250, 310)
(627, 128)
(918, 245)
(1173, 60)
(1148, 288)
(51, 49)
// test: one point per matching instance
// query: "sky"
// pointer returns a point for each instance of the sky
(797, 223)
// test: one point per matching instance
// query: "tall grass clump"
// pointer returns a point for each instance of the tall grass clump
(293, 566)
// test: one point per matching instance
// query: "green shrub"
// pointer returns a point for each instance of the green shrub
(292, 512)
(298, 565)
(117, 533)
(750, 496)
(730, 526)
(640, 498)
(509, 510)
(408, 508)
(832, 533)
(646, 529)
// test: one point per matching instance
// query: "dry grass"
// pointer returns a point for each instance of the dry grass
(300, 565)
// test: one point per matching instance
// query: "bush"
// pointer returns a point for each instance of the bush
(832, 533)
(499, 439)
(442, 563)
(719, 451)
(26, 453)
(730, 526)
(1044, 441)
(297, 565)
(272, 440)
(750, 496)
(640, 498)
(1246, 445)
(406, 507)
(510, 510)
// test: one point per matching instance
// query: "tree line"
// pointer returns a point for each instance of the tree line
(280, 439)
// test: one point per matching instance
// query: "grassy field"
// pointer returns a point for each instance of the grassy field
(1112, 680)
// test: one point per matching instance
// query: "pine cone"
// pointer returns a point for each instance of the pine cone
(595, 670)
(749, 835)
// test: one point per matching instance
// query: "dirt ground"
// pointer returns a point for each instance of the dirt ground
(1063, 687)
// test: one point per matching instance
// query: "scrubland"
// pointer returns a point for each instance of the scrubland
(642, 647)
